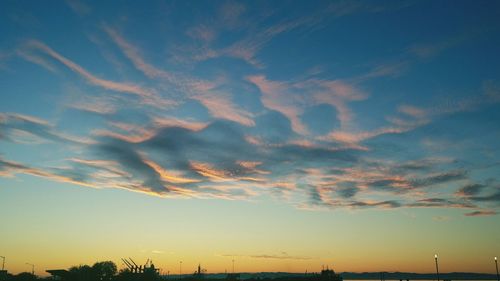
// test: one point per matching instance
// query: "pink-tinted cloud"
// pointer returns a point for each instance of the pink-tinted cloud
(175, 122)
(79, 7)
(98, 105)
(36, 60)
(135, 57)
(220, 106)
(208, 171)
(481, 213)
(291, 98)
(132, 138)
(11, 168)
(147, 95)
(13, 125)
(275, 97)
(202, 33)
(168, 176)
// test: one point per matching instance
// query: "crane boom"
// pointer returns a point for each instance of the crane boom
(127, 263)
(136, 268)
(133, 262)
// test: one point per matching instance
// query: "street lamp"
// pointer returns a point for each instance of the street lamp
(437, 267)
(32, 268)
(3, 262)
(180, 269)
(496, 264)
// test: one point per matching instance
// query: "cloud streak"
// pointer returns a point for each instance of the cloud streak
(33, 130)
(244, 105)
(283, 256)
(148, 96)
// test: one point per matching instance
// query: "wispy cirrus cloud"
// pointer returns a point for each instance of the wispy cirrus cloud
(428, 50)
(79, 7)
(481, 213)
(33, 129)
(238, 118)
(133, 54)
(220, 106)
(232, 16)
(216, 161)
(291, 99)
(147, 95)
(282, 256)
(10, 168)
(217, 102)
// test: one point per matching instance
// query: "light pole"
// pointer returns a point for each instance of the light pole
(180, 269)
(437, 267)
(3, 262)
(496, 264)
(32, 268)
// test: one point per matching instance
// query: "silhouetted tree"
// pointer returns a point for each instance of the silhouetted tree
(81, 273)
(125, 275)
(24, 276)
(104, 271)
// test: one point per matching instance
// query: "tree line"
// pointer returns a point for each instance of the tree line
(100, 271)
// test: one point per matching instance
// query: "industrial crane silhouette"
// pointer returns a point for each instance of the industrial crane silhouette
(146, 268)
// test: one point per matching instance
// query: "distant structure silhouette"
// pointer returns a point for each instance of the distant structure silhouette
(148, 267)
(329, 275)
(199, 273)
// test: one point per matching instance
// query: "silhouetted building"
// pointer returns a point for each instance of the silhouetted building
(58, 274)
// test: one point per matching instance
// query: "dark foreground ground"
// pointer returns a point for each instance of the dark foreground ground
(90, 274)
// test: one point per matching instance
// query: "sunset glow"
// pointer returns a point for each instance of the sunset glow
(283, 135)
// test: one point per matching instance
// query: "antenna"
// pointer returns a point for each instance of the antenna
(3, 263)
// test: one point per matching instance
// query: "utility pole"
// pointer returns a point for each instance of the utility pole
(3, 262)
(32, 268)
(437, 267)
(233, 265)
(496, 264)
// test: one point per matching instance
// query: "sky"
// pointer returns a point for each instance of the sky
(285, 135)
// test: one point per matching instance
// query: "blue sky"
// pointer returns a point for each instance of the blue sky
(320, 106)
